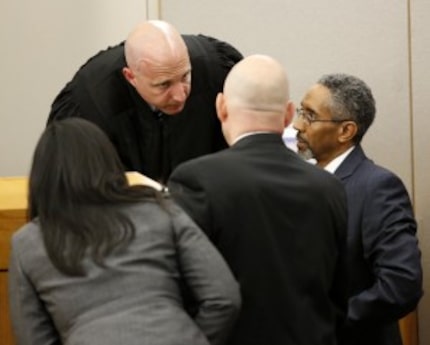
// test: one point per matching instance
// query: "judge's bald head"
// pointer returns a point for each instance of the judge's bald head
(153, 40)
(158, 66)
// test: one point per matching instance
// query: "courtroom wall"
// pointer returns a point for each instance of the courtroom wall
(42, 44)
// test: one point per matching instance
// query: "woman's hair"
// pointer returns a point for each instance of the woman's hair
(76, 188)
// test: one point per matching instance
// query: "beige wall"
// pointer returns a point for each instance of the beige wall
(44, 42)
(42, 45)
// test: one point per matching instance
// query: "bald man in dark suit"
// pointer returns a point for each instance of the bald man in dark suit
(279, 222)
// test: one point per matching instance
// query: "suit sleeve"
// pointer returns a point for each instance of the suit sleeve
(187, 190)
(209, 279)
(391, 250)
(339, 289)
(31, 322)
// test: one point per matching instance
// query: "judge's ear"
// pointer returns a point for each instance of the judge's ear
(129, 75)
(221, 107)
(347, 131)
(289, 113)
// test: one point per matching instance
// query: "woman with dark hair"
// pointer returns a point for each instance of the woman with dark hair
(103, 262)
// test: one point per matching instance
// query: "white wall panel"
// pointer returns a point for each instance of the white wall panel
(420, 33)
(43, 43)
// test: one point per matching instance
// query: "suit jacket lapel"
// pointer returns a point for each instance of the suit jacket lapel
(351, 163)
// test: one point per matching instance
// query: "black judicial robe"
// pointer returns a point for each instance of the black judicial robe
(151, 144)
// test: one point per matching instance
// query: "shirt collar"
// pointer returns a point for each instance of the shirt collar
(247, 135)
(334, 164)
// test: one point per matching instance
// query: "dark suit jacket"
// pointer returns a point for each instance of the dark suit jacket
(384, 257)
(280, 223)
(145, 142)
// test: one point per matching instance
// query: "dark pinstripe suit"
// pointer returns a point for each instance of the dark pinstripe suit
(383, 251)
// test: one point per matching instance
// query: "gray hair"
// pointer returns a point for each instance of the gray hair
(351, 99)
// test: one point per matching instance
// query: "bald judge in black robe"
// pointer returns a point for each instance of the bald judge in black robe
(147, 142)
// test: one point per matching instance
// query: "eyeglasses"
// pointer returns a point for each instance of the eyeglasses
(308, 117)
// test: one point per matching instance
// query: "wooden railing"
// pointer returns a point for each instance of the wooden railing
(13, 206)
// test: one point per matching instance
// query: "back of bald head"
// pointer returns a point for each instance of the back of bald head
(257, 83)
(153, 40)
